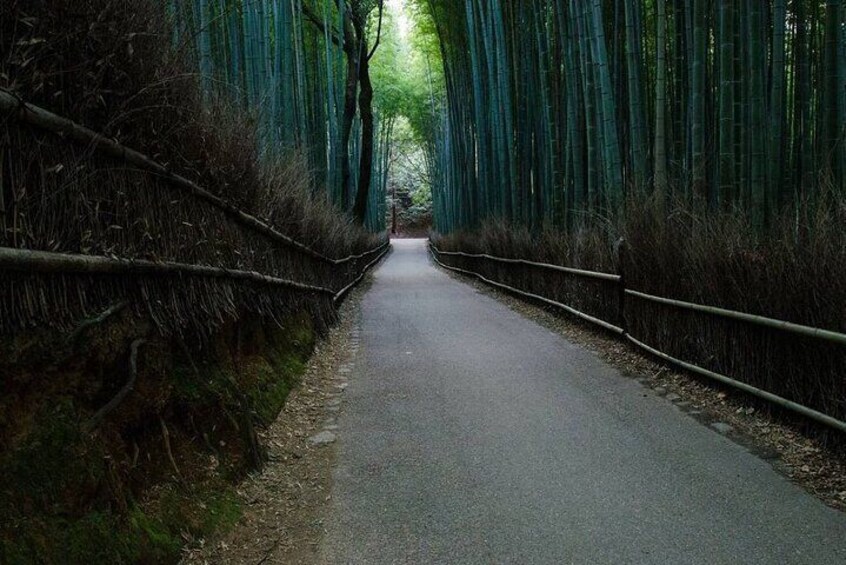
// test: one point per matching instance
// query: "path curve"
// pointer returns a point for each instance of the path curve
(470, 434)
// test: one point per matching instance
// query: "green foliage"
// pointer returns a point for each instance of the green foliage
(97, 537)
(404, 83)
(271, 383)
(409, 184)
(158, 542)
(389, 70)
(44, 476)
(152, 535)
(268, 378)
(405, 69)
(197, 512)
(280, 62)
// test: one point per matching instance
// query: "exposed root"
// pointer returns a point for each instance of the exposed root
(256, 456)
(127, 388)
(166, 437)
(97, 320)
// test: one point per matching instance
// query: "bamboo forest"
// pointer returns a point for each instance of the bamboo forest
(422, 281)
(546, 113)
(568, 108)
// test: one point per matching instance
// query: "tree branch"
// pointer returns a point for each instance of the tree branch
(127, 388)
(379, 30)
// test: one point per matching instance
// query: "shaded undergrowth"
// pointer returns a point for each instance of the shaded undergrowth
(160, 469)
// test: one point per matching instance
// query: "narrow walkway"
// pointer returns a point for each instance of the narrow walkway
(472, 435)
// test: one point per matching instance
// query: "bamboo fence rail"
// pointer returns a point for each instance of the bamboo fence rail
(571, 310)
(559, 268)
(28, 261)
(343, 292)
(799, 329)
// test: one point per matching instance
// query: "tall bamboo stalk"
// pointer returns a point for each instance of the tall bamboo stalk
(553, 107)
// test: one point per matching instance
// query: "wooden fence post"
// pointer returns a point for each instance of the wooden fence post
(621, 285)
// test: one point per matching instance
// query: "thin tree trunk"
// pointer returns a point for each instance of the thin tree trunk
(777, 108)
(726, 102)
(637, 118)
(365, 109)
(757, 174)
(697, 109)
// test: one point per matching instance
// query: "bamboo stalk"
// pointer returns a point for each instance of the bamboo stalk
(746, 101)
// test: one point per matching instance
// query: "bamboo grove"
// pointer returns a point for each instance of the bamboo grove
(559, 110)
(299, 67)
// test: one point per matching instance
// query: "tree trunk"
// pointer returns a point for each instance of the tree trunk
(365, 108)
(346, 127)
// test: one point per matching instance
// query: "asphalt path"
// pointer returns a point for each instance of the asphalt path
(470, 434)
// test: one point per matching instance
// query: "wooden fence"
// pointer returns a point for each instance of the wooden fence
(223, 260)
(613, 306)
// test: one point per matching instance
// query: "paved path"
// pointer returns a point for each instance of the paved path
(470, 434)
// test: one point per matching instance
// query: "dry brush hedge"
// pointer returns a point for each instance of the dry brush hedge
(72, 200)
(98, 252)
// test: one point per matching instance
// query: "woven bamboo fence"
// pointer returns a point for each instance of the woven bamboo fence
(797, 367)
(86, 223)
